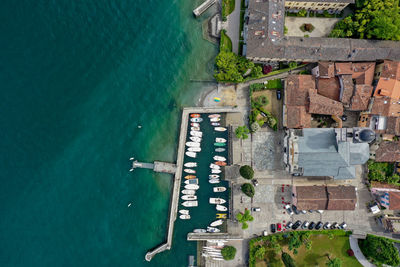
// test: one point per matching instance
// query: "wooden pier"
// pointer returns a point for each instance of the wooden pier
(157, 166)
(203, 7)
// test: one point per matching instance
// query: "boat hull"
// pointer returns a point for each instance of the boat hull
(219, 189)
(190, 164)
(189, 171)
(219, 144)
(194, 149)
(217, 200)
(194, 203)
(220, 129)
(195, 115)
(215, 171)
(191, 154)
(190, 177)
(213, 230)
(220, 149)
(219, 158)
(196, 119)
(214, 115)
(188, 192)
(220, 163)
(220, 140)
(192, 181)
(192, 186)
(221, 208)
(216, 223)
(214, 181)
(184, 217)
(189, 197)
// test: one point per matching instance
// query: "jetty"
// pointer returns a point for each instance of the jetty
(203, 7)
(166, 167)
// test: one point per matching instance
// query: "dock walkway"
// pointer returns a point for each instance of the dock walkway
(203, 7)
(178, 173)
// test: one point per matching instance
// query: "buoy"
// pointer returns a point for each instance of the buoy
(129, 205)
(139, 126)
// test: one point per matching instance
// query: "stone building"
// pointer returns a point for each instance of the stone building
(331, 5)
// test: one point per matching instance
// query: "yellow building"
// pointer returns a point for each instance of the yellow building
(333, 5)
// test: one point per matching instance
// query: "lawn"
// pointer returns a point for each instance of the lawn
(227, 7)
(225, 44)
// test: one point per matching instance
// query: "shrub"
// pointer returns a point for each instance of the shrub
(285, 30)
(262, 100)
(302, 13)
(260, 252)
(246, 172)
(267, 69)
(255, 127)
(350, 252)
(228, 253)
(287, 260)
(248, 189)
(261, 122)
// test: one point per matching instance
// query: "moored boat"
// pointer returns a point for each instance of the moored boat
(196, 119)
(191, 203)
(214, 115)
(219, 189)
(220, 149)
(192, 181)
(189, 197)
(199, 231)
(195, 115)
(192, 144)
(215, 171)
(221, 208)
(213, 176)
(220, 140)
(213, 181)
(195, 124)
(220, 129)
(217, 200)
(196, 133)
(215, 124)
(216, 223)
(188, 192)
(184, 212)
(214, 166)
(195, 128)
(195, 139)
(190, 164)
(194, 149)
(189, 171)
(219, 158)
(184, 217)
(191, 154)
(190, 177)
(220, 163)
(192, 186)
(215, 119)
(221, 216)
(213, 230)
(219, 144)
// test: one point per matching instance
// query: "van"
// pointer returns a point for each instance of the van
(256, 209)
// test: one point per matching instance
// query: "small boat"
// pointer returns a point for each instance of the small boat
(184, 212)
(195, 128)
(190, 164)
(221, 216)
(196, 133)
(215, 119)
(191, 154)
(219, 189)
(213, 176)
(220, 140)
(194, 149)
(214, 166)
(213, 181)
(220, 129)
(192, 181)
(216, 223)
(192, 186)
(195, 139)
(199, 231)
(194, 203)
(184, 217)
(221, 208)
(189, 171)
(195, 124)
(196, 119)
(220, 163)
(190, 177)
(215, 124)
(217, 200)
(214, 115)
(219, 158)
(213, 230)
(189, 197)
(215, 171)
(220, 149)
(195, 115)
(193, 144)
(188, 192)
(219, 144)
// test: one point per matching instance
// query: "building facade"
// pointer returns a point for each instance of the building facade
(329, 5)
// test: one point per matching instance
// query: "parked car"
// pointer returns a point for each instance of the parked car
(327, 226)
(279, 226)
(265, 233)
(273, 228)
(319, 225)
(305, 225)
(296, 225)
(310, 211)
(335, 225)
(255, 182)
(256, 209)
(320, 211)
(303, 211)
(289, 225)
(343, 225)
(278, 94)
(311, 226)
(295, 209)
(289, 210)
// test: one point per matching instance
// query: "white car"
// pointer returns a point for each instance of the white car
(289, 210)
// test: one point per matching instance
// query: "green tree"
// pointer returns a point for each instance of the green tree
(260, 252)
(248, 189)
(246, 172)
(302, 13)
(287, 260)
(380, 250)
(256, 72)
(294, 241)
(228, 252)
(292, 64)
(242, 132)
(255, 127)
(244, 218)
(336, 262)
(309, 245)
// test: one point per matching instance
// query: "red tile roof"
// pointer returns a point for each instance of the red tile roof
(388, 152)
(326, 197)
(394, 200)
(329, 88)
(385, 106)
(347, 90)
(326, 69)
(389, 81)
(322, 105)
(298, 117)
(361, 72)
(362, 95)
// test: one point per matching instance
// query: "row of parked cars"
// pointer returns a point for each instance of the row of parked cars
(308, 225)
(293, 210)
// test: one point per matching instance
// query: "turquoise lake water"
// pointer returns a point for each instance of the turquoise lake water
(77, 78)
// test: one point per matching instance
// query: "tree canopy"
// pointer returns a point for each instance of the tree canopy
(336, 262)
(228, 252)
(244, 218)
(287, 260)
(248, 189)
(246, 172)
(380, 250)
(260, 252)
(373, 19)
(242, 132)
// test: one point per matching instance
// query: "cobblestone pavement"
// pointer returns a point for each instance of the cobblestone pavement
(267, 153)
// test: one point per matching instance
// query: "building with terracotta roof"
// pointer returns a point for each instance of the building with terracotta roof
(394, 200)
(385, 106)
(361, 97)
(320, 104)
(324, 197)
(389, 80)
(329, 87)
(388, 152)
(346, 89)
(361, 72)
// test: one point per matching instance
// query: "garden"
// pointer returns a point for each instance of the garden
(380, 250)
(227, 8)
(225, 43)
(382, 172)
(303, 249)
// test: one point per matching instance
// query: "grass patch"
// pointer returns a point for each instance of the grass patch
(379, 250)
(225, 43)
(227, 7)
(382, 172)
(275, 72)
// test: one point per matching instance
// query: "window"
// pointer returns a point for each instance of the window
(319, 4)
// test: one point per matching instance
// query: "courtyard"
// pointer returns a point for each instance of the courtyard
(322, 26)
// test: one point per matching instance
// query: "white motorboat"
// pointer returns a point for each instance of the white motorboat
(221, 208)
(215, 119)
(195, 139)
(189, 171)
(215, 124)
(188, 192)
(214, 115)
(195, 128)
(220, 149)
(215, 166)
(213, 230)
(184, 217)
(219, 158)
(192, 186)
(220, 140)
(189, 197)
(216, 223)
(191, 154)
(213, 176)
(196, 133)
(220, 129)
(213, 181)
(219, 189)
(199, 231)
(184, 212)
(193, 144)
(194, 203)
(194, 149)
(192, 181)
(217, 200)
(190, 164)
(195, 124)
(196, 119)
(215, 171)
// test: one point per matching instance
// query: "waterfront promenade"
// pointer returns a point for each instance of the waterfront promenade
(178, 174)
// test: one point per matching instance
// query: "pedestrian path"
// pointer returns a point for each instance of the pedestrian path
(358, 254)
